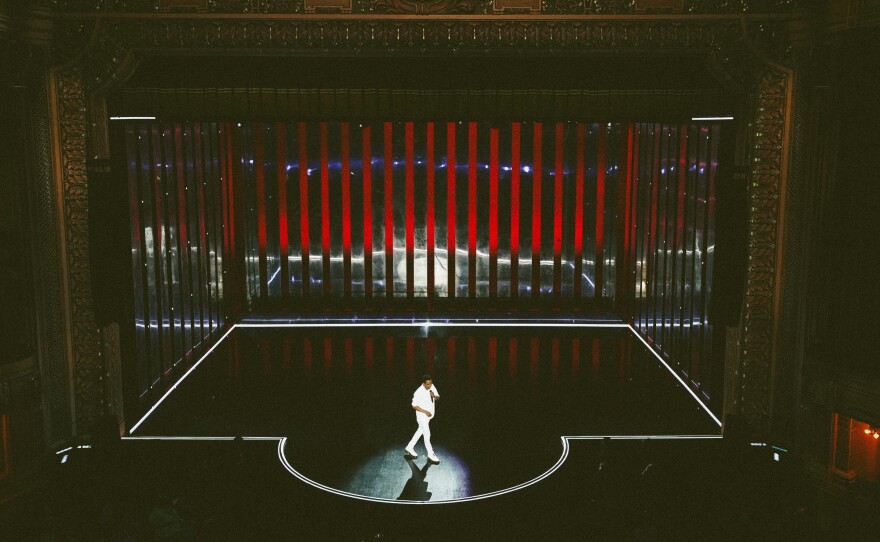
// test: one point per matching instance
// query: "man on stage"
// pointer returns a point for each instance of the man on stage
(423, 403)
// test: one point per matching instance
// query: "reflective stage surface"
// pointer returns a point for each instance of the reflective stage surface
(338, 401)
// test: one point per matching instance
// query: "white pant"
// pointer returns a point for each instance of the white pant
(424, 430)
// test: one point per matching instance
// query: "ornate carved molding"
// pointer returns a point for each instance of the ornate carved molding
(72, 126)
(118, 40)
(768, 174)
(420, 7)
(433, 7)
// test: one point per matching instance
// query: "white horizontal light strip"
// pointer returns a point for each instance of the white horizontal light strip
(191, 369)
(177, 438)
(132, 118)
(554, 468)
(676, 375)
(711, 118)
(427, 323)
(198, 438)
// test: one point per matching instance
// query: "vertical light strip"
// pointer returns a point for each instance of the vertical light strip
(183, 237)
(557, 213)
(429, 227)
(304, 205)
(624, 186)
(346, 209)
(493, 212)
(472, 209)
(325, 209)
(389, 209)
(410, 210)
(283, 233)
(632, 223)
(450, 204)
(260, 174)
(600, 211)
(652, 237)
(367, 169)
(537, 151)
(514, 209)
(579, 211)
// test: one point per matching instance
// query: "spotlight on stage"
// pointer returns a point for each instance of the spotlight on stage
(389, 475)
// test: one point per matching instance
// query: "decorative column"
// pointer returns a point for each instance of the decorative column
(770, 134)
(82, 337)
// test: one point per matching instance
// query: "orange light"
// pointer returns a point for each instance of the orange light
(867, 431)
(876, 435)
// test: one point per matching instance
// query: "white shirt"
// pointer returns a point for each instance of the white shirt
(422, 399)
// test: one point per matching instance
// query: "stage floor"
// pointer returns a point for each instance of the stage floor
(514, 397)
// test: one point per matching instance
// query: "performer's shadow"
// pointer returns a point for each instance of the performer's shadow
(416, 488)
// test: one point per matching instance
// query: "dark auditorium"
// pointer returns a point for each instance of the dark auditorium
(439, 270)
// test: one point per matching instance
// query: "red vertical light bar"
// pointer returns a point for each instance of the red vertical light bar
(493, 212)
(285, 353)
(347, 356)
(367, 167)
(304, 204)
(579, 211)
(283, 237)
(537, 150)
(328, 354)
(410, 211)
(472, 209)
(600, 211)
(260, 174)
(595, 367)
(492, 360)
(389, 210)
(429, 204)
(512, 359)
(450, 207)
(369, 356)
(325, 210)
(389, 355)
(575, 356)
(410, 358)
(557, 214)
(554, 359)
(346, 209)
(514, 210)
(430, 346)
(307, 353)
(534, 356)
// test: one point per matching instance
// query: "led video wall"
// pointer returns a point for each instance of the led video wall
(452, 209)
